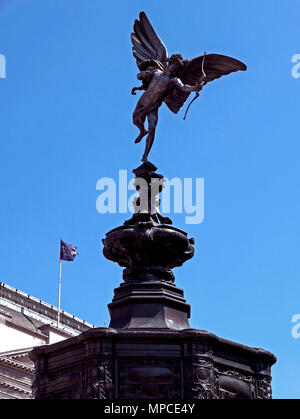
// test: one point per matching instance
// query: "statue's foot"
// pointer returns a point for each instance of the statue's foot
(142, 135)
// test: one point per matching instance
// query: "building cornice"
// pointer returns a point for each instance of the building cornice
(41, 308)
(15, 388)
(15, 364)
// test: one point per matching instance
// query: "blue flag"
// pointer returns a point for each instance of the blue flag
(67, 251)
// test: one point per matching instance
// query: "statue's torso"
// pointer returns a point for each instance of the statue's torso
(156, 90)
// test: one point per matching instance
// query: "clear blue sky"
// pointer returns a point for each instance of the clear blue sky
(65, 112)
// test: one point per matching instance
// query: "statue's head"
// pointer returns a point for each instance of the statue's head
(176, 62)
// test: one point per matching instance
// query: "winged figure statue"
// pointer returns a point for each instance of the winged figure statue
(168, 79)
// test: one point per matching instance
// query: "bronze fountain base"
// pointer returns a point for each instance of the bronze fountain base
(149, 350)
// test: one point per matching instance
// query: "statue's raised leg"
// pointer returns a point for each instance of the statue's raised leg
(152, 123)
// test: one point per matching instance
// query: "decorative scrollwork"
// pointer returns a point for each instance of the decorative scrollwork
(200, 380)
(102, 387)
(265, 389)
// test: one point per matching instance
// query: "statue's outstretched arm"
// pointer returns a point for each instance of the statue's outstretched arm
(185, 87)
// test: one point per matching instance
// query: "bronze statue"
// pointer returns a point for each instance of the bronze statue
(168, 79)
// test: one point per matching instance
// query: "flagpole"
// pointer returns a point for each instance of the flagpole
(59, 289)
(67, 252)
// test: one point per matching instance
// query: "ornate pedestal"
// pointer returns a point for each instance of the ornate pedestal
(149, 350)
(106, 363)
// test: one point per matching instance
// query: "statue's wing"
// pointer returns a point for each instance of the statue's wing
(214, 66)
(146, 44)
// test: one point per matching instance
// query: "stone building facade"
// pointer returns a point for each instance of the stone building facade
(27, 322)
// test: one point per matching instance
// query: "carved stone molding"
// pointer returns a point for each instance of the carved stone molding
(200, 379)
(265, 389)
(102, 385)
